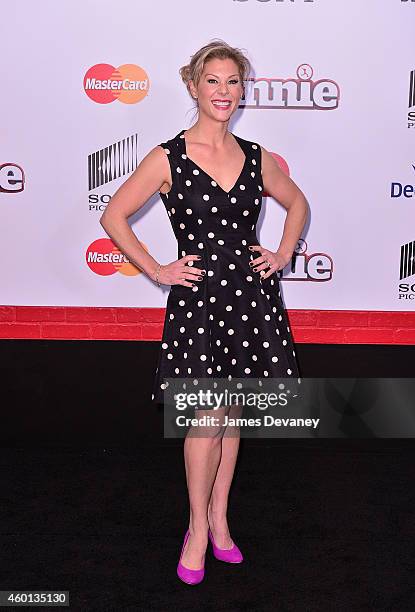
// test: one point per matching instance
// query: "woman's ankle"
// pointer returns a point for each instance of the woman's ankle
(198, 528)
(218, 524)
(217, 513)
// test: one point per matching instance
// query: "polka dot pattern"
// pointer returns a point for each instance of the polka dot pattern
(232, 323)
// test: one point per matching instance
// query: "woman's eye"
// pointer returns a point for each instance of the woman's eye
(232, 81)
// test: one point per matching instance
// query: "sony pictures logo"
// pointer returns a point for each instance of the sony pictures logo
(406, 271)
(108, 164)
(411, 102)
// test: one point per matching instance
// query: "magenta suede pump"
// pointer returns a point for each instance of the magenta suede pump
(190, 576)
(231, 555)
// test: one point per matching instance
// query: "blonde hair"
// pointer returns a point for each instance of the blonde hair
(216, 49)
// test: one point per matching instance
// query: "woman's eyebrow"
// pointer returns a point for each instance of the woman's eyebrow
(215, 75)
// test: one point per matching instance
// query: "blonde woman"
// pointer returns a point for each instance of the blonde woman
(224, 315)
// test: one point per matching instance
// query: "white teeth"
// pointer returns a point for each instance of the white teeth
(221, 103)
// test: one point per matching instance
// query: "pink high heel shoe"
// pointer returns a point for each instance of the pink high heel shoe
(231, 555)
(190, 576)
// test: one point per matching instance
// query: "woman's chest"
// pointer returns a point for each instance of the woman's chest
(224, 169)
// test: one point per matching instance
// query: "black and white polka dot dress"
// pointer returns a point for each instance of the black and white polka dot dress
(232, 323)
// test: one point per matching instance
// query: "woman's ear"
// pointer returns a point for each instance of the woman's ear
(192, 89)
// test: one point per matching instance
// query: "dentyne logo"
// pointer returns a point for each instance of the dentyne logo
(128, 83)
(104, 258)
(399, 189)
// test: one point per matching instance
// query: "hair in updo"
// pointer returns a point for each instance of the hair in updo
(216, 49)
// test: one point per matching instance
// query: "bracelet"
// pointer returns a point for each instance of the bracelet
(157, 274)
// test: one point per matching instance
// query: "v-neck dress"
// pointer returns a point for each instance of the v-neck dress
(232, 323)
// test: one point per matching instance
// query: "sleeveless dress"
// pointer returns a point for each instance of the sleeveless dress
(232, 323)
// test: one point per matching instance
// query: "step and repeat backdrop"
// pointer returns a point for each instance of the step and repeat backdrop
(88, 88)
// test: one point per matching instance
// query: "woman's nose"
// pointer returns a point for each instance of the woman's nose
(223, 89)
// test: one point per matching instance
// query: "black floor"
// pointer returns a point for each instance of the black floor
(321, 528)
(95, 393)
(94, 500)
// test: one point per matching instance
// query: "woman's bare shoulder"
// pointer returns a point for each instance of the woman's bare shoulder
(267, 157)
(252, 143)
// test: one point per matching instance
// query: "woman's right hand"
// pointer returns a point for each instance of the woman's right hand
(179, 272)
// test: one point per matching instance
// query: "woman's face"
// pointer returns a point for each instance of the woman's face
(219, 90)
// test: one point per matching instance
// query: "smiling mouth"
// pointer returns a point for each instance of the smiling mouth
(221, 104)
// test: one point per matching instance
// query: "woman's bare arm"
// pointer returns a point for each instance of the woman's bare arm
(145, 181)
(150, 175)
(287, 193)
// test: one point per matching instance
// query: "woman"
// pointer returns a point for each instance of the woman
(224, 314)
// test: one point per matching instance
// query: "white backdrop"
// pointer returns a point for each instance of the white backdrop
(345, 159)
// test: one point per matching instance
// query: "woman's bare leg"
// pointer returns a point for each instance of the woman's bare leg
(218, 503)
(202, 455)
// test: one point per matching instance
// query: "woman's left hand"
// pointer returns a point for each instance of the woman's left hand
(268, 262)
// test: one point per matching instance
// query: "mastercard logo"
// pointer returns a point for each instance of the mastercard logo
(104, 258)
(282, 164)
(128, 83)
